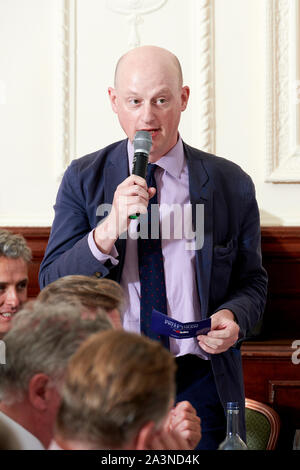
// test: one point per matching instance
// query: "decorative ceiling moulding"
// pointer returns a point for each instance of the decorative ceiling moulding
(134, 10)
(283, 91)
(66, 78)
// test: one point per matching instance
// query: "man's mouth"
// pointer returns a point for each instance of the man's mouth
(153, 132)
(6, 316)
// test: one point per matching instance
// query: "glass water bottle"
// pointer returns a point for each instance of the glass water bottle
(233, 440)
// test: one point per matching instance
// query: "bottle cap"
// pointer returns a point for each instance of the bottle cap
(232, 405)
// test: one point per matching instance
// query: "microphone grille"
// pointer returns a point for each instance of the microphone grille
(142, 142)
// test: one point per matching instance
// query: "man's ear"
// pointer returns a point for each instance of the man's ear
(185, 94)
(144, 437)
(115, 317)
(38, 391)
(113, 98)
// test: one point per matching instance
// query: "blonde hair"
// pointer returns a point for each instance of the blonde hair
(116, 382)
(90, 291)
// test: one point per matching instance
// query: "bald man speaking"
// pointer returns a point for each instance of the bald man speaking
(221, 278)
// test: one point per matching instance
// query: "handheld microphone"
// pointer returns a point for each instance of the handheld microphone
(142, 144)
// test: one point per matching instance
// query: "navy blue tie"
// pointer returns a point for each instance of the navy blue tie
(151, 269)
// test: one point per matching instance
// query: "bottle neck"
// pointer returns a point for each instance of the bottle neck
(232, 422)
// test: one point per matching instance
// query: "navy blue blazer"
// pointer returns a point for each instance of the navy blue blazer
(228, 267)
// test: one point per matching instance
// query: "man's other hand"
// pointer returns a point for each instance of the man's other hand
(224, 333)
(183, 420)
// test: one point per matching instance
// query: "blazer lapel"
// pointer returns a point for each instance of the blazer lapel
(115, 172)
(201, 192)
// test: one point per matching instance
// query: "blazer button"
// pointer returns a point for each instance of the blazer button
(97, 274)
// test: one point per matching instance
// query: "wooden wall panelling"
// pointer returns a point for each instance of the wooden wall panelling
(281, 258)
(283, 391)
(264, 361)
(284, 396)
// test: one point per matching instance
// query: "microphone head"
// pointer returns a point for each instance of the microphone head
(142, 142)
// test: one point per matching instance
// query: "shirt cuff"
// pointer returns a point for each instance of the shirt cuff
(98, 253)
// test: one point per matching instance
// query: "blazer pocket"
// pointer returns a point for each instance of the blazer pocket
(223, 260)
(222, 252)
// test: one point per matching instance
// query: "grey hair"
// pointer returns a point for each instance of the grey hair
(14, 246)
(42, 339)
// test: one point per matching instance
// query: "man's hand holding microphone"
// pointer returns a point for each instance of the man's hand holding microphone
(130, 199)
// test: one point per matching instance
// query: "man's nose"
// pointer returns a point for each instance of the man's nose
(12, 298)
(148, 113)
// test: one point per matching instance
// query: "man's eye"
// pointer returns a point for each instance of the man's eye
(161, 100)
(22, 285)
(134, 101)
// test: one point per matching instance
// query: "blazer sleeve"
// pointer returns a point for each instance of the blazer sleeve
(68, 251)
(248, 291)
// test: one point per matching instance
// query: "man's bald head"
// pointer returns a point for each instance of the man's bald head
(150, 55)
(149, 96)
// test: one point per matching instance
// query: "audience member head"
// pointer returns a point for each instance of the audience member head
(14, 258)
(91, 292)
(118, 387)
(39, 345)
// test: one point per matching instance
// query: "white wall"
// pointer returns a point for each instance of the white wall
(57, 60)
(27, 113)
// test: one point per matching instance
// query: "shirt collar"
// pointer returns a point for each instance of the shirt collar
(172, 162)
(26, 440)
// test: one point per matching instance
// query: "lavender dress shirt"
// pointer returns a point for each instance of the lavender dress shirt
(172, 181)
